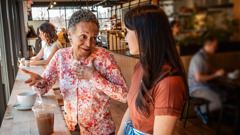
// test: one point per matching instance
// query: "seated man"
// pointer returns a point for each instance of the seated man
(198, 76)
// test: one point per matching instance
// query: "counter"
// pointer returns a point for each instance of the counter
(125, 53)
(16, 122)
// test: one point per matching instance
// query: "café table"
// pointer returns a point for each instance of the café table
(229, 90)
(19, 122)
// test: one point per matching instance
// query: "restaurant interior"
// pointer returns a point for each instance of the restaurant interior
(19, 38)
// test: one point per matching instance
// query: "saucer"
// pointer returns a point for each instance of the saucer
(24, 108)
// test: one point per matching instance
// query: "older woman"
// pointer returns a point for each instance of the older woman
(88, 78)
(50, 45)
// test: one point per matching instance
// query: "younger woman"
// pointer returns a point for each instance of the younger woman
(159, 87)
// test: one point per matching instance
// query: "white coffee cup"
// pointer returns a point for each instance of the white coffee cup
(27, 99)
(27, 63)
(233, 75)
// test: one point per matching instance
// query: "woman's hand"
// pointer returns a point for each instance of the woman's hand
(33, 58)
(35, 79)
(84, 72)
(22, 61)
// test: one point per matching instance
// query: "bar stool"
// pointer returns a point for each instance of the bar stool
(192, 101)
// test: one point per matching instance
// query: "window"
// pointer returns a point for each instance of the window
(39, 13)
(60, 16)
(57, 18)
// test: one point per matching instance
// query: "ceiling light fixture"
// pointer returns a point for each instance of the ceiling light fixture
(51, 4)
(93, 7)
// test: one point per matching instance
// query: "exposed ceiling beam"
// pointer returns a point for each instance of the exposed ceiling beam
(76, 3)
(61, 4)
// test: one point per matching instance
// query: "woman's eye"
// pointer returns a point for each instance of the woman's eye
(83, 36)
(94, 38)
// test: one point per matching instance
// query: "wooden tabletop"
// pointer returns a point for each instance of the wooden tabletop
(32, 38)
(18, 122)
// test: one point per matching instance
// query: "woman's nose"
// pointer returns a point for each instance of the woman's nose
(88, 42)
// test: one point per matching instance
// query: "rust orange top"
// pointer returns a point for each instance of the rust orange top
(168, 96)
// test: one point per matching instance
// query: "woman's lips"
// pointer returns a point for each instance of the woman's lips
(86, 49)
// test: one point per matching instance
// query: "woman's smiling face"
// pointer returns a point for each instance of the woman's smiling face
(84, 39)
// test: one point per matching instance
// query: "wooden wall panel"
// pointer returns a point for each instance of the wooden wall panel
(227, 60)
(236, 14)
(127, 65)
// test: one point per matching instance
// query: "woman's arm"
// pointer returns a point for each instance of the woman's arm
(39, 55)
(48, 78)
(113, 83)
(169, 95)
(108, 79)
(204, 78)
(45, 62)
(50, 74)
(164, 125)
(126, 116)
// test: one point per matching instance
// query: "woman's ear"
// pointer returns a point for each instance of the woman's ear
(69, 34)
(44, 35)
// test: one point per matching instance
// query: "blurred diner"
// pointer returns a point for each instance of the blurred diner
(176, 29)
(50, 45)
(62, 37)
(200, 73)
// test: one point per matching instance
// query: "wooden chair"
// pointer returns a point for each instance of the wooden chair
(191, 101)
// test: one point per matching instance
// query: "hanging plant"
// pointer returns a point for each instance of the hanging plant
(224, 33)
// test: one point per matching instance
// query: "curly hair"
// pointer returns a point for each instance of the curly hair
(50, 32)
(82, 15)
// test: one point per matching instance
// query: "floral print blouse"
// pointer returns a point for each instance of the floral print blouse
(87, 102)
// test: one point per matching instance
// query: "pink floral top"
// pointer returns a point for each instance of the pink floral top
(87, 102)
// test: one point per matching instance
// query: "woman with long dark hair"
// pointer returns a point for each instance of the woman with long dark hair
(159, 87)
(50, 45)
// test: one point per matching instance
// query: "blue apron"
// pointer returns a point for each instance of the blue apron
(130, 130)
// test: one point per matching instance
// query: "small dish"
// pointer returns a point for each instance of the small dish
(24, 108)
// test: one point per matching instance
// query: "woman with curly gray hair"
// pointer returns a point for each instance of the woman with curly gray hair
(88, 76)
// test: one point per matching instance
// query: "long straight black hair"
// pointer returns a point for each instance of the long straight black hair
(156, 48)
